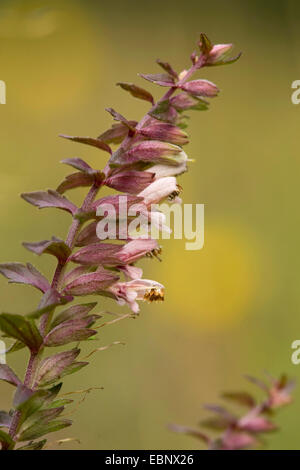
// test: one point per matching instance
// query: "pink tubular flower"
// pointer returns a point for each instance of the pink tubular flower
(130, 272)
(112, 254)
(162, 171)
(201, 88)
(137, 289)
(142, 168)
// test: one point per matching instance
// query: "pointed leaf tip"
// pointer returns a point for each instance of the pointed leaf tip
(137, 92)
(24, 274)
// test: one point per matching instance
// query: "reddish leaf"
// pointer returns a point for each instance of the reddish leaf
(241, 398)
(24, 274)
(116, 133)
(183, 101)
(89, 141)
(8, 375)
(167, 67)
(137, 91)
(130, 181)
(205, 44)
(164, 112)
(75, 312)
(91, 283)
(50, 198)
(118, 117)
(68, 332)
(98, 253)
(162, 79)
(165, 132)
(52, 367)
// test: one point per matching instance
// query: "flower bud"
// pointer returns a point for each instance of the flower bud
(218, 53)
(165, 132)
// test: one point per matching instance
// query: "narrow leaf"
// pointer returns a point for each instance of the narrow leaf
(18, 327)
(79, 164)
(24, 274)
(165, 132)
(137, 91)
(6, 440)
(8, 375)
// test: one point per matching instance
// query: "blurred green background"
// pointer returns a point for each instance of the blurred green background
(231, 308)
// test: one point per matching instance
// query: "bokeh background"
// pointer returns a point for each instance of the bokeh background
(231, 308)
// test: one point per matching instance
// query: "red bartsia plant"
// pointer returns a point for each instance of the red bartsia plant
(144, 168)
(236, 432)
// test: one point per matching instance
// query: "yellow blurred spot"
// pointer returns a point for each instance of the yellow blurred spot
(213, 287)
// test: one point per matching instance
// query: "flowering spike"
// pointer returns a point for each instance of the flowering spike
(77, 180)
(137, 91)
(201, 88)
(24, 274)
(92, 283)
(167, 67)
(205, 45)
(164, 112)
(42, 199)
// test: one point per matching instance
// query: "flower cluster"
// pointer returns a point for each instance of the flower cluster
(242, 432)
(145, 158)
